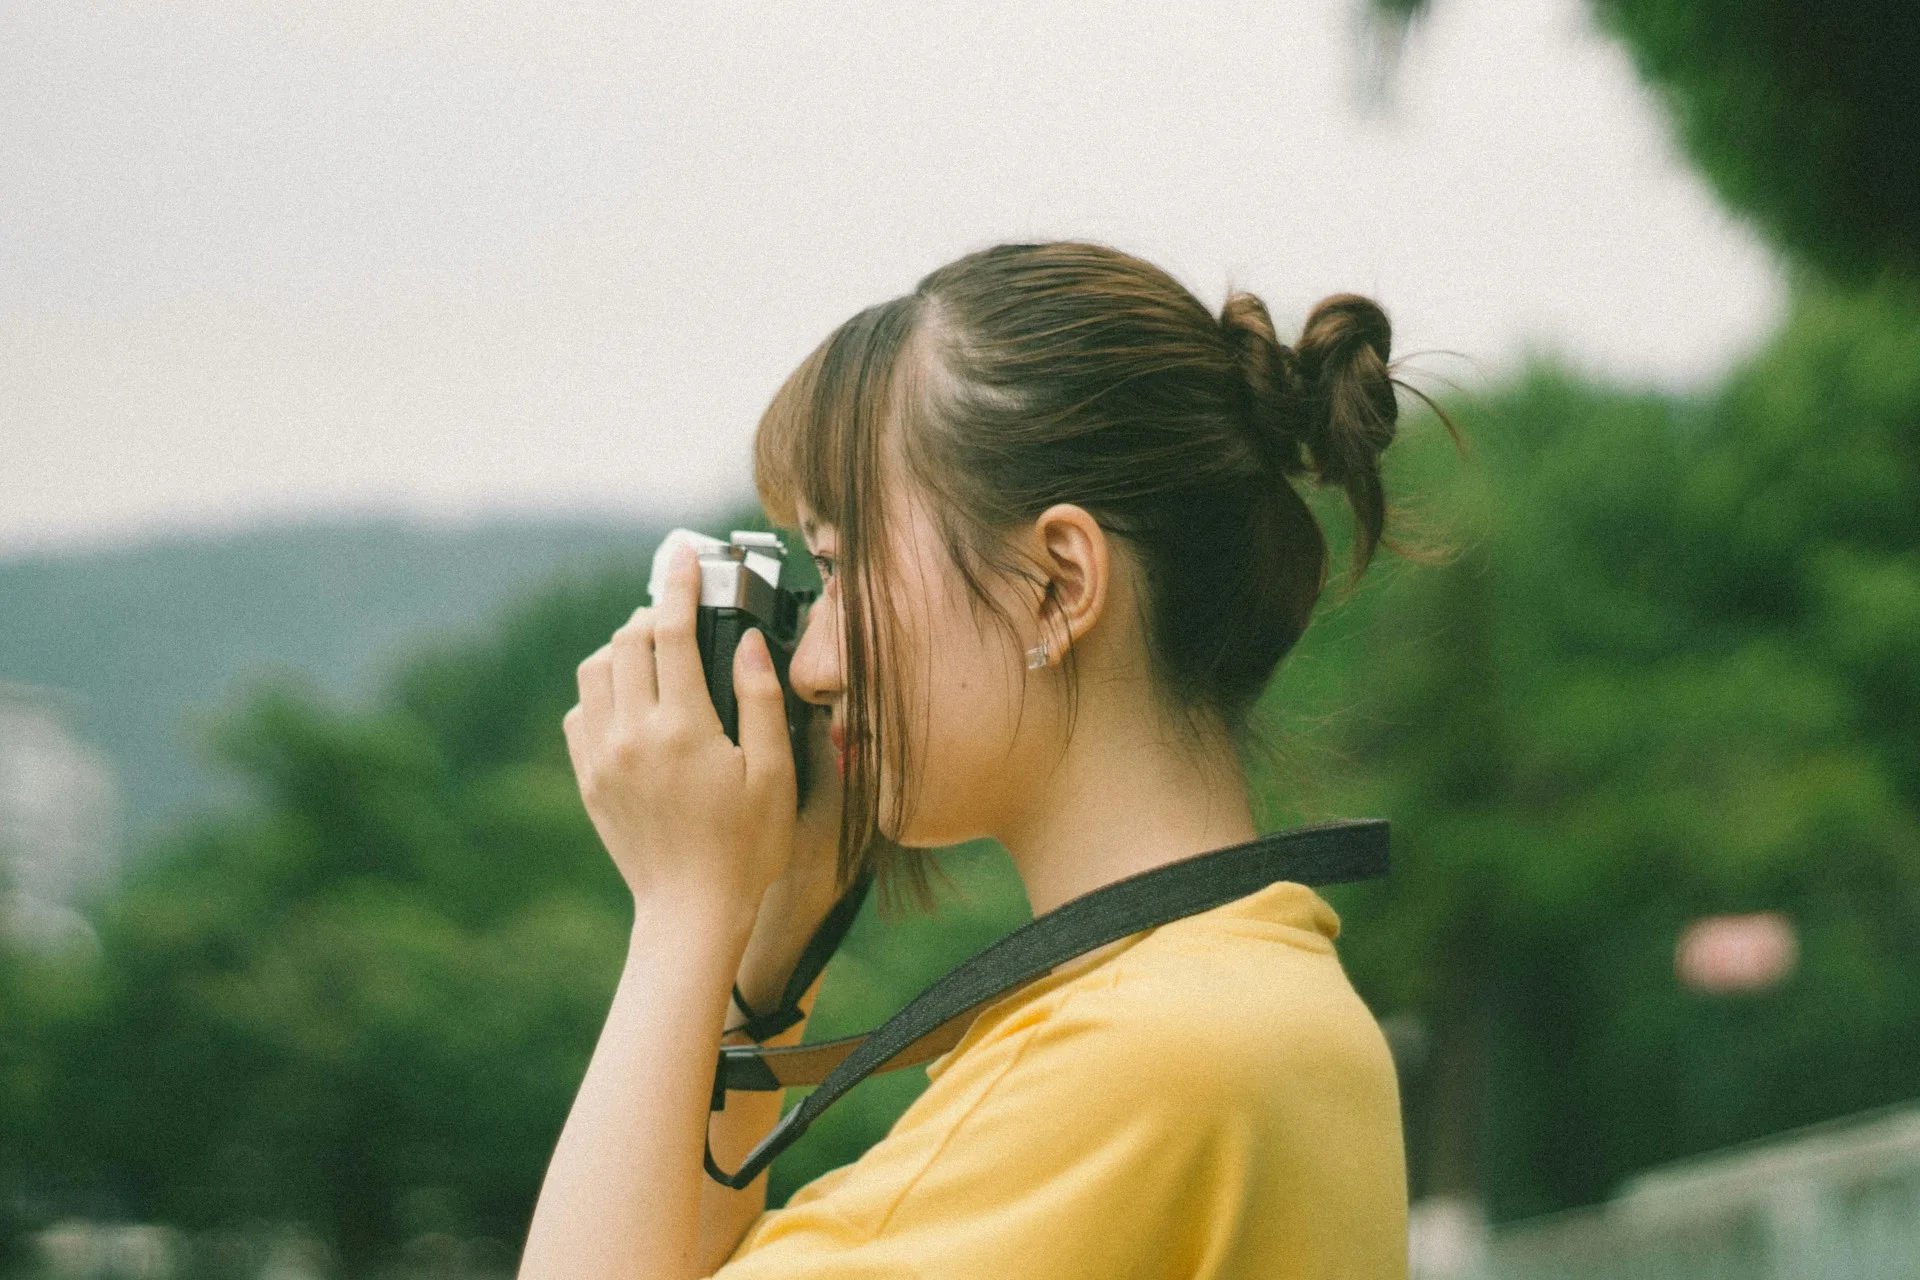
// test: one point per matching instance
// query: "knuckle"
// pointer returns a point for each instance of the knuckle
(615, 759)
(625, 752)
(673, 734)
(675, 629)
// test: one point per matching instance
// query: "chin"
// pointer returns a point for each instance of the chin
(919, 833)
(912, 836)
(933, 823)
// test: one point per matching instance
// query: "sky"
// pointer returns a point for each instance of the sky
(460, 260)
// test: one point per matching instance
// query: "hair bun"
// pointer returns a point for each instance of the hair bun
(1343, 358)
(1275, 384)
(1327, 408)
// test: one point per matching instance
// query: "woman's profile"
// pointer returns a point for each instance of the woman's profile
(1054, 501)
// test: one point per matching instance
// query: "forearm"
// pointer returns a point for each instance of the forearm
(725, 1214)
(789, 913)
(622, 1194)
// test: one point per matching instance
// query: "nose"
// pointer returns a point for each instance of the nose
(815, 671)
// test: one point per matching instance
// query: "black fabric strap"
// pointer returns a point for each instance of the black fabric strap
(935, 1020)
(760, 1027)
(820, 948)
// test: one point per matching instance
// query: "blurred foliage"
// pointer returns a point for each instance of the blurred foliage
(1803, 114)
(1673, 671)
(363, 1000)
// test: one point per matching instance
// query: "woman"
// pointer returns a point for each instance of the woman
(1051, 499)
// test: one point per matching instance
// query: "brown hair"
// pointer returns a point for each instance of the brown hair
(1028, 375)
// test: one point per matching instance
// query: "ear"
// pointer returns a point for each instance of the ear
(1076, 562)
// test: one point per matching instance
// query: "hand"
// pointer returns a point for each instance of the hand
(691, 820)
(799, 900)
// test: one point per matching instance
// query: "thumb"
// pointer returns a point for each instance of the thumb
(763, 718)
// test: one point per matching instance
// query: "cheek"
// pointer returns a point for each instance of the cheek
(966, 673)
(969, 705)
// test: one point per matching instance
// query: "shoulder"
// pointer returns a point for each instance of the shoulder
(1228, 1013)
(1233, 1014)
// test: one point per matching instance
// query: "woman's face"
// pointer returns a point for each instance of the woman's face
(971, 743)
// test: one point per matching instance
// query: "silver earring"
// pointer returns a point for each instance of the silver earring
(1037, 657)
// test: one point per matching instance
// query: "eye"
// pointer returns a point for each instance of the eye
(826, 566)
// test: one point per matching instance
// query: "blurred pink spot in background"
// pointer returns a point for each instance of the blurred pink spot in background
(1721, 954)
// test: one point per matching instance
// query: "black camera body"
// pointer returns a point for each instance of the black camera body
(740, 588)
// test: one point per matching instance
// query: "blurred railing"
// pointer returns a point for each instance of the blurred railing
(1838, 1201)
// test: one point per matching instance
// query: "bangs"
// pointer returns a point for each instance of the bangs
(822, 442)
(819, 442)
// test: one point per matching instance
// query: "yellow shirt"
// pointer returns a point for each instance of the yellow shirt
(1206, 1099)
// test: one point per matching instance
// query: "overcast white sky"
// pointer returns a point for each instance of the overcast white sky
(469, 258)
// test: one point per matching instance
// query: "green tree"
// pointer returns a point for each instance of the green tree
(363, 998)
(1673, 673)
(1803, 114)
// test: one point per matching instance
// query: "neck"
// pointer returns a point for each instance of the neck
(1124, 798)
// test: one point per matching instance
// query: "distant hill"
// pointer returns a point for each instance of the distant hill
(149, 640)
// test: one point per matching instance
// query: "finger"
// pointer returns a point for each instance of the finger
(676, 647)
(634, 688)
(763, 720)
(571, 725)
(596, 695)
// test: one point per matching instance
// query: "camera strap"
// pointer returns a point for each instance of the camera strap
(935, 1020)
(820, 948)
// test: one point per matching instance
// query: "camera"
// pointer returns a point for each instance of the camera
(740, 587)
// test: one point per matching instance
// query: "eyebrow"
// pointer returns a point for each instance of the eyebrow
(809, 527)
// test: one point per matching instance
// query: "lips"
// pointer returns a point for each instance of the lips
(839, 739)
